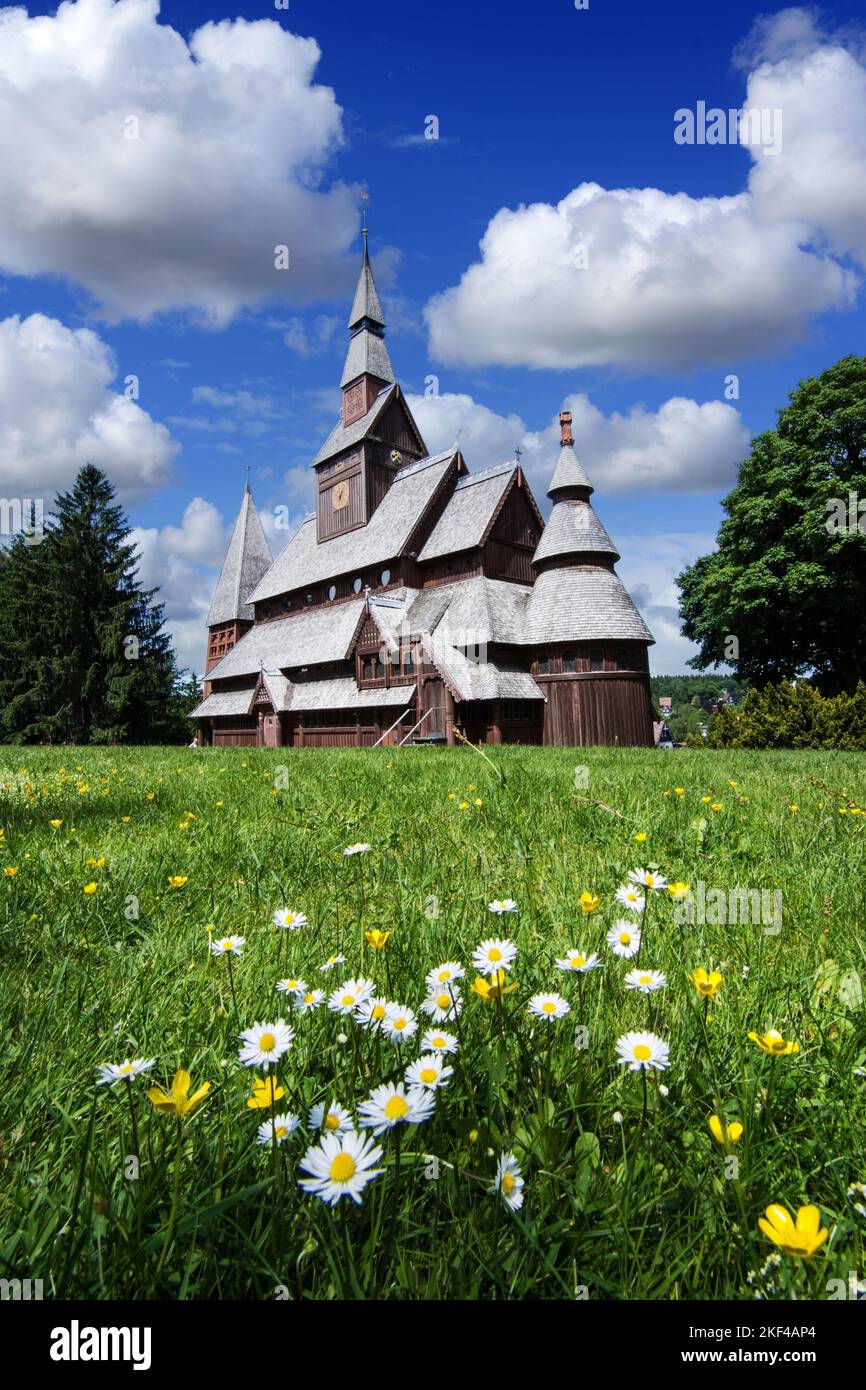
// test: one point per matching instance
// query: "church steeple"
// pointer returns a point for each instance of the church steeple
(368, 366)
(573, 535)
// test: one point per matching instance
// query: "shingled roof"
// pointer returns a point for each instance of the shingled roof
(307, 638)
(472, 507)
(247, 560)
(581, 605)
(573, 529)
(305, 560)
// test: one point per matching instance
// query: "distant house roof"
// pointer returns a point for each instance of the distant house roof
(308, 561)
(247, 560)
(472, 507)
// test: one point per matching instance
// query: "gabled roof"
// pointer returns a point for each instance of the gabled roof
(307, 638)
(573, 529)
(248, 559)
(473, 506)
(344, 436)
(482, 680)
(581, 605)
(308, 561)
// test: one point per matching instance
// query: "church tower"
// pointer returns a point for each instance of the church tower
(248, 559)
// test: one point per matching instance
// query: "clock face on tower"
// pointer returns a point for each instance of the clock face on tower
(340, 496)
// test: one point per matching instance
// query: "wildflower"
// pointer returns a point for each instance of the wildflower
(376, 939)
(437, 1040)
(291, 986)
(502, 905)
(497, 953)
(95, 863)
(333, 1118)
(640, 836)
(639, 1051)
(331, 962)
(707, 983)
(175, 880)
(464, 806)
(793, 808)
(10, 871)
(277, 1129)
(647, 879)
(398, 1023)
(801, 1238)
(108, 1072)
(664, 1092)
(305, 1003)
(624, 940)
(716, 806)
(509, 1182)
(774, 1044)
(492, 988)
(265, 1043)
(266, 1092)
(646, 981)
(289, 920)
(341, 1166)
(448, 972)
(550, 1006)
(56, 824)
(855, 1191)
(630, 898)
(429, 1071)
(617, 1117)
(679, 791)
(180, 1102)
(371, 1013)
(679, 890)
(347, 996)
(352, 850)
(391, 1105)
(442, 1005)
(90, 887)
(228, 945)
(578, 961)
(723, 1133)
(588, 902)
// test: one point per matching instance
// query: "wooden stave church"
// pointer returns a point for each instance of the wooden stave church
(422, 601)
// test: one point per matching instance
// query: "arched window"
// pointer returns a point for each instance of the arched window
(357, 585)
(332, 593)
(385, 577)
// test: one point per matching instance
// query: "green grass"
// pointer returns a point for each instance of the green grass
(641, 1209)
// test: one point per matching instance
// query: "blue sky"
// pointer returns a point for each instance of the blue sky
(152, 256)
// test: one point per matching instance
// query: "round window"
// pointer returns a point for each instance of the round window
(357, 585)
(385, 577)
(332, 593)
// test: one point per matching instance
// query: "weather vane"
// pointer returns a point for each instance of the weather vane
(365, 198)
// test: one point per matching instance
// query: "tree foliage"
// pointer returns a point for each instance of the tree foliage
(784, 584)
(793, 716)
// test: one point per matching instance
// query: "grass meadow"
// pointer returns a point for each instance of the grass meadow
(626, 1193)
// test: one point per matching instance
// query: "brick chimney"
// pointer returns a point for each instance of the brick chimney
(565, 427)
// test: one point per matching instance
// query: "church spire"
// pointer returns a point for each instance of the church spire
(368, 365)
(248, 559)
(573, 535)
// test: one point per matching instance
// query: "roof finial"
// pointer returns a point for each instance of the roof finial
(247, 480)
(365, 198)
(565, 427)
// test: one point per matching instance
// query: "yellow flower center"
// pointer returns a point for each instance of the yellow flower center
(267, 1042)
(438, 1042)
(548, 1008)
(396, 1108)
(308, 998)
(281, 1131)
(126, 1069)
(342, 1168)
(399, 1024)
(494, 953)
(508, 1184)
(625, 937)
(444, 975)
(428, 1075)
(642, 1052)
(646, 979)
(226, 945)
(577, 961)
(331, 1122)
(378, 1011)
(650, 880)
(348, 999)
(443, 1001)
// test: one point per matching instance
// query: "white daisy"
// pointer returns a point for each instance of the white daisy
(509, 1182)
(391, 1105)
(311, 999)
(444, 1004)
(341, 1166)
(277, 1129)
(346, 998)
(351, 850)
(436, 1040)
(289, 920)
(429, 1072)
(630, 898)
(371, 1012)
(265, 1043)
(398, 1023)
(647, 879)
(292, 986)
(647, 981)
(333, 1118)
(496, 953)
(501, 905)
(228, 946)
(109, 1072)
(638, 1051)
(578, 961)
(624, 939)
(444, 974)
(331, 962)
(549, 1006)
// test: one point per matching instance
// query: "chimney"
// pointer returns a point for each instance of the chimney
(565, 427)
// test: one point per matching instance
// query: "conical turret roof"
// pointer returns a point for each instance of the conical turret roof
(248, 559)
(366, 304)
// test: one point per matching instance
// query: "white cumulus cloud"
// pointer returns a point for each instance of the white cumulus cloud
(183, 562)
(59, 411)
(159, 173)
